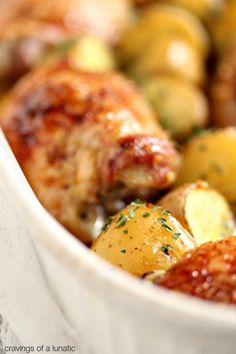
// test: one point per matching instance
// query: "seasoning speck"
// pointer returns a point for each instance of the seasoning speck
(165, 249)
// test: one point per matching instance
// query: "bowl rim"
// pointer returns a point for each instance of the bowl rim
(65, 247)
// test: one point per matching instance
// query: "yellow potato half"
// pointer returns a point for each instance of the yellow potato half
(211, 156)
(201, 8)
(172, 56)
(201, 210)
(180, 105)
(143, 238)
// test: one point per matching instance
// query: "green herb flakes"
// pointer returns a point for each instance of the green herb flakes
(107, 224)
(163, 223)
(137, 202)
(166, 249)
(166, 212)
(176, 235)
(122, 221)
(132, 213)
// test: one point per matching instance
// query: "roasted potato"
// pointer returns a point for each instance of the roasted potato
(201, 210)
(200, 8)
(143, 238)
(211, 156)
(87, 53)
(162, 20)
(172, 56)
(208, 272)
(222, 91)
(26, 44)
(180, 105)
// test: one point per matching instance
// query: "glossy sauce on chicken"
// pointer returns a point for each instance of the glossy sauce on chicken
(85, 139)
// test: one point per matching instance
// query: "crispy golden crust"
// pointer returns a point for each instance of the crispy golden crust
(208, 272)
(104, 18)
(80, 137)
(223, 91)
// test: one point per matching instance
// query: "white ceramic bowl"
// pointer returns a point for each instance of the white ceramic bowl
(54, 291)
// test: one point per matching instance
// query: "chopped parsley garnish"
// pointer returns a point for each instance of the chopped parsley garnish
(162, 220)
(120, 218)
(132, 213)
(122, 221)
(163, 223)
(125, 231)
(146, 214)
(166, 212)
(107, 224)
(203, 176)
(165, 249)
(176, 235)
(217, 168)
(123, 251)
(137, 202)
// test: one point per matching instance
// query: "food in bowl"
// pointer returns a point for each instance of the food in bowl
(91, 140)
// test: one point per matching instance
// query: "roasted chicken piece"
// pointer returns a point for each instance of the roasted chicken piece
(83, 140)
(105, 18)
(208, 272)
(223, 91)
(27, 43)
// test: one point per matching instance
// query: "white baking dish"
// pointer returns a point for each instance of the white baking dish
(56, 291)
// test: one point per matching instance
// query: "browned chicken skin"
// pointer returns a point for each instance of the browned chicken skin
(85, 138)
(23, 44)
(105, 18)
(207, 272)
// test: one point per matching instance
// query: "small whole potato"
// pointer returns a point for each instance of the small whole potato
(162, 20)
(142, 238)
(201, 8)
(171, 55)
(201, 210)
(180, 105)
(211, 156)
(207, 272)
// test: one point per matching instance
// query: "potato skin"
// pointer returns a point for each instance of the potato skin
(209, 222)
(207, 272)
(201, 8)
(159, 21)
(175, 201)
(211, 157)
(179, 104)
(163, 56)
(143, 238)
